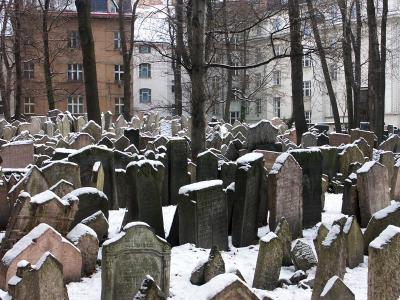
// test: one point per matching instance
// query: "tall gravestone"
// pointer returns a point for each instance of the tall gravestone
(285, 194)
(310, 161)
(129, 257)
(177, 152)
(144, 180)
(203, 214)
(207, 166)
(247, 199)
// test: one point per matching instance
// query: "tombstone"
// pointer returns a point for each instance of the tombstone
(269, 157)
(98, 222)
(310, 161)
(269, 262)
(202, 209)
(387, 159)
(17, 154)
(349, 154)
(350, 205)
(97, 176)
(42, 281)
(332, 260)
(285, 236)
(369, 136)
(177, 153)
(208, 269)
(86, 158)
(62, 170)
(354, 242)
(31, 247)
(383, 265)
(372, 189)
(336, 289)
(144, 179)
(122, 143)
(285, 190)
(107, 120)
(247, 199)
(91, 200)
(303, 256)
(227, 173)
(81, 140)
(105, 141)
(391, 144)
(62, 188)
(207, 166)
(129, 257)
(149, 290)
(395, 184)
(85, 239)
(309, 139)
(337, 139)
(320, 237)
(261, 133)
(366, 149)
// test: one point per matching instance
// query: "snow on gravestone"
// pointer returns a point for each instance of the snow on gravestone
(207, 166)
(129, 257)
(285, 191)
(372, 189)
(31, 248)
(349, 154)
(202, 208)
(383, 265)
(144, 194)
(58, 170)
(247, 199)
(336, 289)
(310, 161)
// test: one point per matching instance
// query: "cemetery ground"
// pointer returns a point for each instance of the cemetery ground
(185, 258)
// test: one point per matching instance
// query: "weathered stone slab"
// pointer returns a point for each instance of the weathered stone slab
(62, 170)
(17, 154)
(337, 139)
(354, 242)
(336, 289)
(207, 166)
(98, 222)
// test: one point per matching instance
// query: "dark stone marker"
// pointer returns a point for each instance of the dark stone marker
(177, 152)
(207, 166)
(133, 135)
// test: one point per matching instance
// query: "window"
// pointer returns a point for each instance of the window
(29, 70)
(29, 105)
(145, 95)
(235, 115)
(278, 50)
(144, 49)
(75, 104)
(333, 72)
(118, 73)
(258, 106)
(75, 72)
(247, 107)
(144, 71)
(119, 105)
(73, 39)
(258, 55)
(277, 107)
(117, 40)
(276, 77)
(307, 88)
(307, 115)
(236, 71)
(306, 61)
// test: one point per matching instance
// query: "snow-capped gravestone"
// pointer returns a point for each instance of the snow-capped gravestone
(336, 289)
(98, 222)
(133, 135)
(386, 158)
(207, 166)
(43, 280)
(349, 154)
(269, 262)
(373, 189)
(247, 199)
(81, 140)
(59, 170)
(350, 204)
(331, 261)
(203, 214)
(285, 194)
(261, 133)
(93, 129)
(129, 257)
(144, 180)
(177, 153)
(310, 161)
(383, 265)
(282, 230)
(354, 242)
(207, 270)
(336, 139)
(303, 256)
(62, 188)
(31, 248)
(17, 154)
(86, 158)
(97, 176)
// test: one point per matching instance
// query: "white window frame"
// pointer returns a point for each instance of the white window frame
(234, 115)
(119, 105)
(145, 70)
(75, 104)
(145, 92)
(117, 40)
(306, 61)
(142, 49)
(29, 70)
(307, 115)
(277, 106)
(75, 72)
(118, 72)
(307, 88)
(74, 40)
(29, 105)
(258, 106)
(276, 77)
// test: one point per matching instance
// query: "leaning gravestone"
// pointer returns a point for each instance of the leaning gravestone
(372, 189)
(285, 191)
(383, 265)
(354, 242)
(247, 199)
(129, 257)
(310, 161)
(349, 154)
(202, 209)
(144, 196)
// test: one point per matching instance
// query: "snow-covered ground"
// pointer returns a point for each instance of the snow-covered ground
(184, 259)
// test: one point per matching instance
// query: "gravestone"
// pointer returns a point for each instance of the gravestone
(247, 199)
(93, 129)
(350, 205)
(303, 256)
(310, 161)
(62, 170)
(260, 133)
(17, 154)
(391, 144)
(285, 190)
(202, 209)
(177, 153)
(336, 289)
(383, 265)
(320, 237)
(337, 139)
(81, 140)
(395, 184)
(62, 188)
(144, 179)
(149, 290)
(207, 166)
(369, 136)
(98, 222)
(354, 242)
(349, 154)
(386, 158)
(285, 236)
(330, 163)
(227, 173)
(372, 189)
(129, 257)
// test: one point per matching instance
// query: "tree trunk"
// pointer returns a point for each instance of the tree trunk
(325, 68)
(374, 69)
(197, 75)
(357, 65)
(296, 63)
(46, 57)
(243, 101)
(381, 105)
(89, 60)
(177, 69)
(229, 73)
(18, 59)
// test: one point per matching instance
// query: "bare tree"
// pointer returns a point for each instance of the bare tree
(89, 60)
(16, 23)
